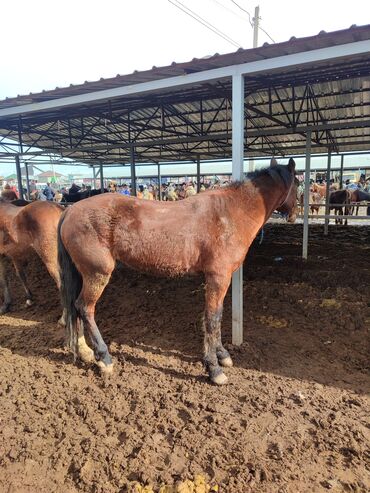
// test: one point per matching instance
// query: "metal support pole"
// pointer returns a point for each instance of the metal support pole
(101, 178)
(306, 195)
(237, 174)
(341, 171)
(326, 225)
(133, 171)
(94, 176)
(256, 21)
(19, 176)
(198, 174)
(159, 183)
(27, 181)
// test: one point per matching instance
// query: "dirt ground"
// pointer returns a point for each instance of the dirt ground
(294, 417)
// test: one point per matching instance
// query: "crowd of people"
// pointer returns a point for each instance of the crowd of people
(167, 191)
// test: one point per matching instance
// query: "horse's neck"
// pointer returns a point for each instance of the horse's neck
(259, 199)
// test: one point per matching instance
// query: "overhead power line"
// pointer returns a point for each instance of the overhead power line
(252, 21)
(239, 16)
(267, 34)
(246, 11)
(202, 21)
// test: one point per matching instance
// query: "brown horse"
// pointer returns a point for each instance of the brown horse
(210, 233)
(358, 196)
(25, 227)
(338, 200)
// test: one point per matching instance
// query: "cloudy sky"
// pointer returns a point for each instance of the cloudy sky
(50, 43)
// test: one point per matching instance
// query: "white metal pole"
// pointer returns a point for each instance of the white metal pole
(256, 20)
(326, 226)
(306, 195)
(159, 182)
(19, 176)
(237, 174)
(101, 177)
(341, 171)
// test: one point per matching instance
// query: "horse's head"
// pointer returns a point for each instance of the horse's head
(289, 206)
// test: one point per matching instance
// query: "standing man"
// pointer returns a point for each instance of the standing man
(49, 192)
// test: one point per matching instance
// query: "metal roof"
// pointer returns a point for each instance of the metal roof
(186, 121)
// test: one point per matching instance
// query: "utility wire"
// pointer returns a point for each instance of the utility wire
(246, 11)
(229, 10)
(250, 19)
(202, 21)
(259, 27)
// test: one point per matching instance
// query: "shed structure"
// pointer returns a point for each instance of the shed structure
(303, 96)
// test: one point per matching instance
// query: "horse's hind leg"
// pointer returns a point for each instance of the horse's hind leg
(93, 287)
(84, 351)
(19, 269)
(4, 285)
(49, 258)
(214, 352)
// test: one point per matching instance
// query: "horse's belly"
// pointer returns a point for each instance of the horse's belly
(164, 258)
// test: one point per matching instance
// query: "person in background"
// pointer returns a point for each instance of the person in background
(140, 192)
(150, 193)
(190, 190)
(33, 189)
(350, 186)
(8, 194)
(164, 192)
(171, 194)
(58, 197)
(124, 190)
(49, 192)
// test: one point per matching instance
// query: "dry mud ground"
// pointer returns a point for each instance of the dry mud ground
(294, 417)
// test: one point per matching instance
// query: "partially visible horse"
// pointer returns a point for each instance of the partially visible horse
(82, 194)
(209, 233)
(320, 189)
(24, 227)
(358, 196)
(315, 200)
(338, 200)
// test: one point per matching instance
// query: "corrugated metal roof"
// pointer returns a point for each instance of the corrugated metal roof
(293, 45)
(196, 120)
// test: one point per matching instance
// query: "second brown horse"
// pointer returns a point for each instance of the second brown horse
(209, 233)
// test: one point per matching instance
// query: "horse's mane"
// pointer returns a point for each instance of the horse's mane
(276, 172)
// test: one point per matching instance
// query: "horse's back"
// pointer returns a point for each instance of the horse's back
(37, 220)
(339, 197)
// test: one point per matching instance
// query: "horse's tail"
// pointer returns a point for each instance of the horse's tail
(71, 285)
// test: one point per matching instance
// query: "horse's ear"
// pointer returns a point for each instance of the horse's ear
(291, 165)
(273, 162)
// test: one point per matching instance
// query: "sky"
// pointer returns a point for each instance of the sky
(53, 43)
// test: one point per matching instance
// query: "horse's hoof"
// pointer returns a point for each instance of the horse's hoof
(86, 354)
(29, 303)
(4, 309)
(105, 369)
(219, 379)
(226, 362)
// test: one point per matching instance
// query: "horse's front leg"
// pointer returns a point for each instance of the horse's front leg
(4, 285)
(214, 352)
